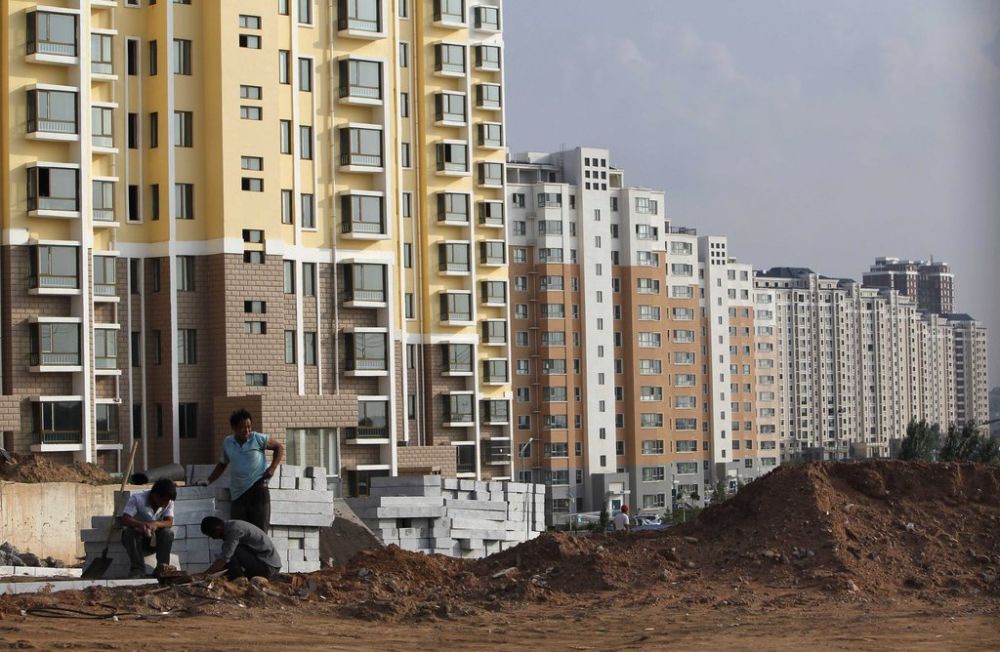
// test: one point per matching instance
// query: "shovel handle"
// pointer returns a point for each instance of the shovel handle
(128, 472)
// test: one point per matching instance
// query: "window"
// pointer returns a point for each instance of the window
(449, 11)
(134, 212)
(645, 205)
(305, 75)
(494, 292)
(487, 57)
(404, 105)
(449, 107)
(52, 188)
(365, 351)
(152, 58)
(491, 174)
(249, 22)
(492, 252)
(187, 420)
(183, 129)
(256, 379)
(154, 130)
(408, 308)
(453, 257)
(652, 447)
(288, 276)
(184, 201)
(457, 358)
(102, 133)
(305, 12)
(309, 348)
(251, 113)
(488, 96)
(285, 136)
(404, 155)
(309, 279)
(404, 8)
(490, 134)
(404, 55)
(255, 307)
(132, 130)
(104, 276)
(255, 257)
(187, 346)
(453, 207)
(250, 92)
(449, 58)
(57, 422)
(494, 331)
(487, 18)
(289, 347)
(284, 67)
(363, 79)
(252, 184)
(361, 147)
(360, 16)
(456, 306)
(182, 56)
(132, 56)
(253, 163)
(307, 211)
(653, 474)
(251, 41)
(255, 327)
(54, 344)
(452, 157)
(286, 206)
(185, 273)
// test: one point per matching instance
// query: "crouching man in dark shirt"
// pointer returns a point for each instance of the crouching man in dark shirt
(246, 550)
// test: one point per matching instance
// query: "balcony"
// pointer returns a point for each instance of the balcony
(364, 285)
(456, 359)
(366, 353)
(491, 214)
(103, 290)
(459, 410)
(494, 333)
(108, 437)
(52, 114)
(52, 38)
(449, 13)
(456, 309)
(495, 372)
(495, 413)
(449, 60)
(360, 82)
(497, 454)
(361, 149)
(53, 191)
(57, 437)
(362, 227)
(368, 435)
(487, 58)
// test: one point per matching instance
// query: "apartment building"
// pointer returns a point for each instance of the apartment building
(857, 364)
(291, 205)
(931, 283)
(615, 376)
(972, 387)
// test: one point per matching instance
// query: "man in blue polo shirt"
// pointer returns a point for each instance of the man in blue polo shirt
(244, 451)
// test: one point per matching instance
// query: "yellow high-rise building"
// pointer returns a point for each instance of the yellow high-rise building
(295, 206)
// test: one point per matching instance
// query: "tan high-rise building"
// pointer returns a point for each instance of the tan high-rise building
(625, 330)
(291, 205)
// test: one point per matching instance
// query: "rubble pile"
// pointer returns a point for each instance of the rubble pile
(11, 556)
(39, 468)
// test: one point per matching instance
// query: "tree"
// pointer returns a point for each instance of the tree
(718, 494)
(921, 440)
(967, 445)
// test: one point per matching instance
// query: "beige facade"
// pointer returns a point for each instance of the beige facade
(213, 200)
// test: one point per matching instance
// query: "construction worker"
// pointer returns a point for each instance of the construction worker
(621, 520)
(246, 550)
(245, 451)
(147, 525)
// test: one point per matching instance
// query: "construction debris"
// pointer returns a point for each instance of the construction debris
(39, 468)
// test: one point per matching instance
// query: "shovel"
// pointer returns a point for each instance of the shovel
(96, 569)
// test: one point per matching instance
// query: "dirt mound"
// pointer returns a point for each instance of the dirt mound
(38, 468)
(870, 532)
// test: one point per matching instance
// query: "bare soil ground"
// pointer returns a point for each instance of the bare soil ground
(38, 468)
(837, 555)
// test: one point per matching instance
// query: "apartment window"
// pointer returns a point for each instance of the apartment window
(54, 344)
(284, 67)
(132, 56)
(407, 255)
(183, 129)
(132, 130)
(250, 92)
(288, 273)
(408, 306)
(361, 147)
(187, 420)
(52, 188)
(365, 351)
(256, 379)
(185, 273)
(152, 58)
(360, 16)
(104, 276)
(307, 211)
(251, 184)
(456, 306)
(282, 7)
(102, 133)
(404, 105)
(187, 346)
(254, 257)
(154, 130)
(252, 163)
(449, 107)
(305, 75)
(309, 279)
(652, 447)
(404, 8)
(492, 252)
(363, 79)
(184, 201)
(305, 12)
(182, 56)
(404, 55)
(405, 155)
(491, 174)
(488, 96)
(286, 206)
(289, 347)
(490, 134)
(487, 18)
(285, 136)
(453, 257)
(363, 214)
(251, 113)
(488, 57)
(407, 204)
(494, 292)
(134, 212)
(449, 58)
(255, 327)
(309, 348)
(251, 41)
(57, 421)
(249, 22)
(255, 307)
(306, 142)
(449, 11)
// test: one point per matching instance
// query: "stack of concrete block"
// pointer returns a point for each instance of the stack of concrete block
(300, 506)
(458, 518)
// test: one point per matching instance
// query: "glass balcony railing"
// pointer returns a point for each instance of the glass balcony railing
(362, 92)
(376, 227)
(105, 363)
(367, 160)
(54, 359)
(374, 296)
(55, 281)
(104, 215)
(104, 289)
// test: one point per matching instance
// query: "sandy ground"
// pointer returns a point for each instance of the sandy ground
(587, 627)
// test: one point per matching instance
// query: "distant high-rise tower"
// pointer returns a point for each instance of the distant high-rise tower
(931, 283)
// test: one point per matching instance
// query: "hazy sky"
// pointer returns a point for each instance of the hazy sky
(818, 133)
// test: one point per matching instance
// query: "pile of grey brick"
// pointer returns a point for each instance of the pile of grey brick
(300, 506)
(458, 518)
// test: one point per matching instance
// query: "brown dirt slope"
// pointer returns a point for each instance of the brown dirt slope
(826, 533)
(38, 468)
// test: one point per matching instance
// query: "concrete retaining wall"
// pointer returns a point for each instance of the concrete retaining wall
(46, 517)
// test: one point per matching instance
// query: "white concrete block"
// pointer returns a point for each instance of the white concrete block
(291, 471)
(287, 482)
(315, 472)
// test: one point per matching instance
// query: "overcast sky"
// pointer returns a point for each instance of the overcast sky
(814, 133)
